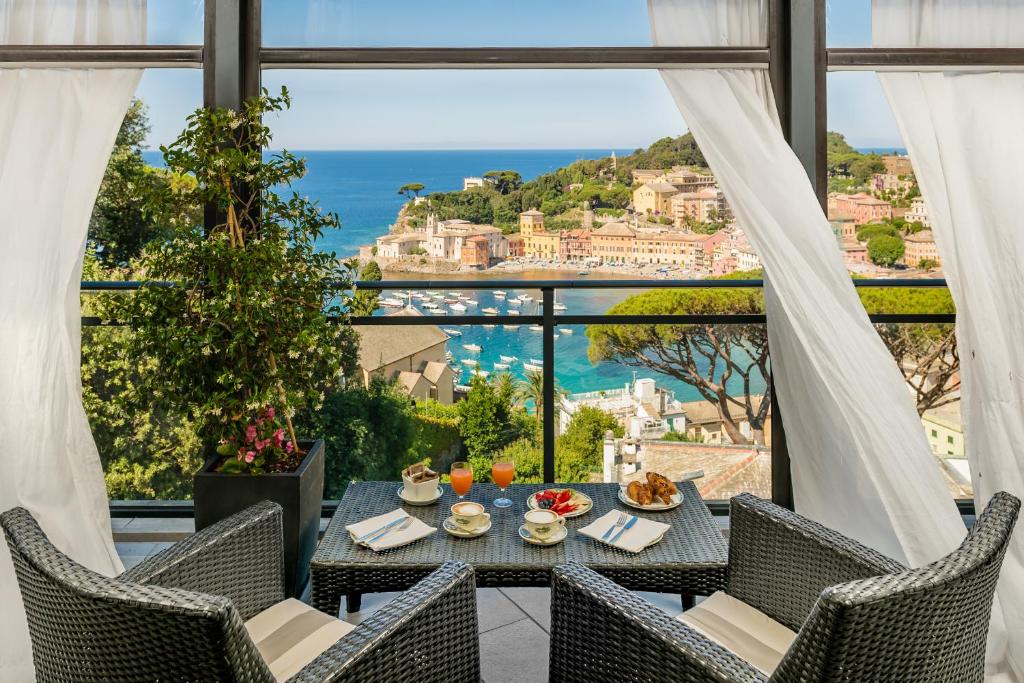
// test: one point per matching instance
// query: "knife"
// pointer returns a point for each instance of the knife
(387, 526)
(629, 525)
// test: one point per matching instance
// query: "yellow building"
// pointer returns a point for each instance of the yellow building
(613, 243)
(669, 248)
(654, 199)
(920, 246)
(537, 242)
(945, 430)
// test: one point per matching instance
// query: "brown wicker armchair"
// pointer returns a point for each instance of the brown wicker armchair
(180, 615)
(851, 614)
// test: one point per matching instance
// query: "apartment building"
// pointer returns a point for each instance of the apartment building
(613, 243)
(666, 247)
(575, 244)
(917, 213)
(861, 208)
(920, 246)
(654, 199)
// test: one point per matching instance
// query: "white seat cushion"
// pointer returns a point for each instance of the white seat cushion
(291, 634)
(748, 633)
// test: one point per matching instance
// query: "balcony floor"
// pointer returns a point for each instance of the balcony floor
(514, 622)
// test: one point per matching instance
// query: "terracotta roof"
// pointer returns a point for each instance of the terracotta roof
(614, 230)
(381, 345)
(662, 187)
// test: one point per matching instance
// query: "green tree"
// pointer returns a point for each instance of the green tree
(137, 203)
(410, 190)
(365, 301)
(357, 447)
(504, 182)
(482, 418)
(885, 250)
(870, 230)
(711, 358)
(927, 264)
(580, 449)
(529, 460)
(926, 353)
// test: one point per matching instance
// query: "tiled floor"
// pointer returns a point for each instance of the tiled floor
(514, 622)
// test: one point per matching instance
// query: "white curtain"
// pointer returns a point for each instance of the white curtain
(57, 128)
(860, 460)
(964, 134)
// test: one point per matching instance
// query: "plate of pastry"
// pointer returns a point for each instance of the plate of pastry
(656, 494)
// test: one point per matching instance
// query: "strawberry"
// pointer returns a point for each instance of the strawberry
(564, 496)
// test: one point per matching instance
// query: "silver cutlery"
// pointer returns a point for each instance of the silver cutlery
(629, 525)
(622, 519)
(387, 526)
(404, 525)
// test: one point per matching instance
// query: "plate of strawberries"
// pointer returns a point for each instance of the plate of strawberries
(564, 502)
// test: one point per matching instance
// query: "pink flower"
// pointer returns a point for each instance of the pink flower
(250, 456)
(270, 412)
(288, 447)
(261, 444)
(279, 437)
(250, 433)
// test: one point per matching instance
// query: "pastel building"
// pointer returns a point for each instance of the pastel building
(654, 199)
(575, 245)
(613, 243)
(920, 246)
(917, 213)
(861, 208)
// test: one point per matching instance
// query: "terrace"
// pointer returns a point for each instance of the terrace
(789, 398)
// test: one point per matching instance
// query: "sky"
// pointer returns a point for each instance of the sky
(478, 109)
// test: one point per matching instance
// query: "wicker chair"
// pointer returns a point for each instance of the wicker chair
(858, 616)
(178, 616)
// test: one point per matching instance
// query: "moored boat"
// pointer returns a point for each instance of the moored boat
(508, 359)
(450, 332)
(490, 311)
(533, 368)
(475, 348)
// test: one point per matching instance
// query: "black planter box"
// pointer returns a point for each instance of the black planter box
(300, 493)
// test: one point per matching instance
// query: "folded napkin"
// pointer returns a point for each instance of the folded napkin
(392, 539)
(633, 540)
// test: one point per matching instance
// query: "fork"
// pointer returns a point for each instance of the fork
(405, 524)
(623, 518)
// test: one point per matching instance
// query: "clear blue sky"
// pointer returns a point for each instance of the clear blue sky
(478, 109)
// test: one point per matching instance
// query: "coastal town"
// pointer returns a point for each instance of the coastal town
(677, 224)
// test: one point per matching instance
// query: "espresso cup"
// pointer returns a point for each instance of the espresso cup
(543, 524)
(469, 516)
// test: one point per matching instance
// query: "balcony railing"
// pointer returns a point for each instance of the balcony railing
(549, 319)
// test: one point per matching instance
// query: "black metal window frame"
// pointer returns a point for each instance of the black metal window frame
(797, 58)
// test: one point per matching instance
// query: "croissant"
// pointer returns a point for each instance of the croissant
(640, 493)
(661, 486)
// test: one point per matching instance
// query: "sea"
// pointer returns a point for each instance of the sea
(362, 188)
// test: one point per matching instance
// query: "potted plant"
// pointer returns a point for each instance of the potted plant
(241, 322)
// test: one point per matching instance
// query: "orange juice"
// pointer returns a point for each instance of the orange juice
(462, 480)
(503, 473)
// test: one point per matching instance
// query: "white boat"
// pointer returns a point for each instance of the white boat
(471, 361)
(463, 297)
(567, 330)
(536, 328)
(559, 307)
(525, 297)
(511, 327)
(480, 373)
(438, 311)
(450, 301)
(490, 311)
(462, 388)
(451, 333)
(555, 335)
(475, 348)
(515, 302)
(537, 361)
(501, 366)
(533, 368)
(392, 302)
(508, 359)
(455, 294)
(429, 305)
(498, 294)
(489, 327)
(433, 293)
(458, 307)
(513, 312)
(470, 302)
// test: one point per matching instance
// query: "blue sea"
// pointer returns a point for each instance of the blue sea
(362, 188)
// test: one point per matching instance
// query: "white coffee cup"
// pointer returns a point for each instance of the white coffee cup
(421, 490)
(469, 516)
(543, 524)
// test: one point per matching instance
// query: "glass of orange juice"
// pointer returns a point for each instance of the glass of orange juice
(462, 478)
(503, 471)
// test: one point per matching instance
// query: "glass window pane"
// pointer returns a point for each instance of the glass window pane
(456, 23)
(174, 22)
(848, 23)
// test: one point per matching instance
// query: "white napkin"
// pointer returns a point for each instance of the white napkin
(414, 532)
(632, 540)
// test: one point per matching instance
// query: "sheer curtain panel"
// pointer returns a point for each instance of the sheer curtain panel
(860, 460)
(57, 127)
(963, 132)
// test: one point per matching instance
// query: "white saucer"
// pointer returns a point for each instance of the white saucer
(451, 527)
(431, 501)
(560, 536)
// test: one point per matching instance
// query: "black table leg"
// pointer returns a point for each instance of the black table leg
(688, 601)
(353, 600)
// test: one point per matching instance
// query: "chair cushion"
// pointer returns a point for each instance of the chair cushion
(748, 633)
(291, 634)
